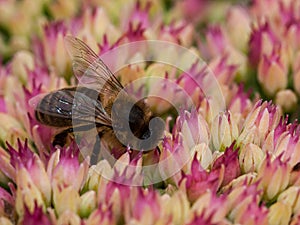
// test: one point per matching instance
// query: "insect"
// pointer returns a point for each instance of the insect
(99, 101)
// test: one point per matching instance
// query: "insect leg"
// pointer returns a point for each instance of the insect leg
(61, 138)
(96, 151)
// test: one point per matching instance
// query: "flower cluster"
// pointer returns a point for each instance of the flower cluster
(230, 152)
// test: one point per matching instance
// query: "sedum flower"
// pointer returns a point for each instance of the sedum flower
(95, 26)
(31, 177)
(115, 195)
(210, 208)
(226, 60)
(2, 105)
(28, 194)
(199, 181)
(294, 178)
(239, 104)
(250, 157)
(193, 10)
(166, 89)
(280, 213)
(261, 42)
(223, 69)
(180, 33)
(201, 220)
(193, 127)
(291, 197)
(262, 119)
(295, 219)
(229, 162)
(7, 203)
(272, 73)
(66, 199)
(204, 155)
(65, 169)
(54, 51)
(41, 80)
(224, 131)
(5, 221)
(192, 79)
(64, 9)
(139, 15)
(144, 207)
(180, 213)
(296, 74)
(244, 206)
(238, 25)
(38, 176)
(10, 128)
(244, 179)
(284, 142)
(292, 32)
(31, 218)
(22, 62)
(174, 157)
(253, 214)
(87, 203)
(6, 168)
(102, 215)
(68, 217)
(281, 100)
(273, 177)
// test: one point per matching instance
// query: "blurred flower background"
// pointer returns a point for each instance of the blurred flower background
(245, 163)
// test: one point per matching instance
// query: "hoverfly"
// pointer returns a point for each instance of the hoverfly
(99, 101)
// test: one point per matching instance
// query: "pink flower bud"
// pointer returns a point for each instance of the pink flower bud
(5, 221)
(228, 160)
(238, 26)
(291, 197)
(250, 157)
(65, 199)
(144, 208)
(7, 204)
(240, 104)
(179, 213)
(262, 41)
(87, 203)
(296, 73)
(54, 51)
(263, 118)
(65, 169)
(68, 217)
(224, 131)
(194, 129)
(217, 41)
(273, 177)
(36, 216)
(62, 9)
(102, 215)
(272, 73)
(281, 100)
(209, 209)
(199, 181)
(279, 213)
(22, 62)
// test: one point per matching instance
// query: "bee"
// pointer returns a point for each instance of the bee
(99, 101)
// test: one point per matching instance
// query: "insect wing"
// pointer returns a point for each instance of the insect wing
(90, 70)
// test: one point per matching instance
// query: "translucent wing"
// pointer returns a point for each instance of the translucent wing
(90, 70)
(71, 107)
